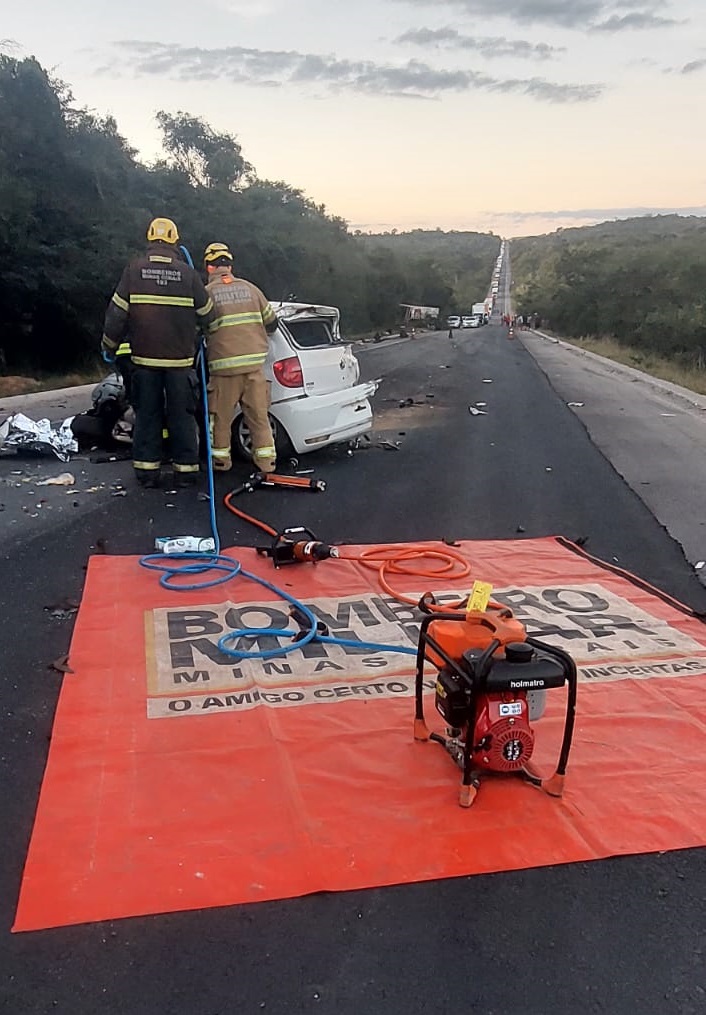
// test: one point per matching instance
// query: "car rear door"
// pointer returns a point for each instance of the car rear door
(327, 363)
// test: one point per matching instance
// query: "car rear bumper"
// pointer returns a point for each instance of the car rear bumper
(314, 421)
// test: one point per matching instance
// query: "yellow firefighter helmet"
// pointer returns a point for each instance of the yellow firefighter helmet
(162, 229)
(216, 250)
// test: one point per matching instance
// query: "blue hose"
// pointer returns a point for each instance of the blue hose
(228, 568)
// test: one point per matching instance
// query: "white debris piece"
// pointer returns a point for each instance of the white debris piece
(64, 479)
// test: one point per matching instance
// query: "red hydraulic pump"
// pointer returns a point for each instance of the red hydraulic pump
(491, 686)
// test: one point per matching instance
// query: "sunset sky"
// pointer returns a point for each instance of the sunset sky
(518, 116)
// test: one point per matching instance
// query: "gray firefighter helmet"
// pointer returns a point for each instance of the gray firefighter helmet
(110, 389)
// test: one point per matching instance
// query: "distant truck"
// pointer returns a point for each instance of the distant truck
(480, 310)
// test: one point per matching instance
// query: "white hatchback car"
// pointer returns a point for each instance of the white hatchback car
(315, 395)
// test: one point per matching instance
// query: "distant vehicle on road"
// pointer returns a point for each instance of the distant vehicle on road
(481, 310)
(466, 321)
(477, 321)
(453, 322)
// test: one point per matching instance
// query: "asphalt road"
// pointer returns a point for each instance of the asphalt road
(615, 937)
(652, 432)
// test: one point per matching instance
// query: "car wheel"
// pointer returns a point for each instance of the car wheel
(241, 441)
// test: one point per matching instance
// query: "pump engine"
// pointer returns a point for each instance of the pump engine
(490, 688)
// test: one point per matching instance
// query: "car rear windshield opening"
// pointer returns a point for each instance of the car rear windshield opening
(309, 334)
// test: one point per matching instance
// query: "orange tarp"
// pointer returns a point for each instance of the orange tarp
(179, 780)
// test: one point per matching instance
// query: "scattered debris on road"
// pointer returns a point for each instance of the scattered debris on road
(19, 432)
(61, 665)
(63, 611)
(64, 479)
(575, 405)
(476, 412)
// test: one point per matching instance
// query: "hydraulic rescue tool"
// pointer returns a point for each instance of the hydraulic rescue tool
(491, 685)
(272, 479)
(292, 545)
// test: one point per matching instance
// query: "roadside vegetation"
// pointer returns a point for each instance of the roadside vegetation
(75, 202)
(692, 378)
(634, 291)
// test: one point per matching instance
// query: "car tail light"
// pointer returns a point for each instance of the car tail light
(289, 372)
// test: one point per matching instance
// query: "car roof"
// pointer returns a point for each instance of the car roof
(286, 309)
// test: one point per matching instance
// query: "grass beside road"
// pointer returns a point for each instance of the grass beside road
(631, 356)
(21, 385)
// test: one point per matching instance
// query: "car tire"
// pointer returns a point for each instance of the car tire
(242, 446)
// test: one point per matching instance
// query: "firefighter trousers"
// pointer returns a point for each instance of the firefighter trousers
(250, 391)
(159, 393)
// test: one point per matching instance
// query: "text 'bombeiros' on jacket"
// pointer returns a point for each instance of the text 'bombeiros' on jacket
(242, 318)
(157, 307)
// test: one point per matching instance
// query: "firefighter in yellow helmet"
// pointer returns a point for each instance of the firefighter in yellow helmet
(237, 350)
(157, 307)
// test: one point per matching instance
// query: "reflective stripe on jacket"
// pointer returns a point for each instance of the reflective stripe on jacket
(237, 342)
(157, 307)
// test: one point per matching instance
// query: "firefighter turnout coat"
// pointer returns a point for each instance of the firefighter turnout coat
(242, 317)
(237, 350)
(156, 306)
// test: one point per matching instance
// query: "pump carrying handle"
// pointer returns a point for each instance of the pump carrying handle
(428, 604)
(555, 785)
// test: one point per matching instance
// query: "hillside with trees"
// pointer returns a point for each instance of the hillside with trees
(641, 281)
(463, 260)
(75, 202)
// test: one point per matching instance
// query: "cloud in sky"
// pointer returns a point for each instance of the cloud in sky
(414, 79)
(487, 46)
(634, 20)
(602, 214)
(533, 223)
(693, 66)
(604, 15)
(246, 8)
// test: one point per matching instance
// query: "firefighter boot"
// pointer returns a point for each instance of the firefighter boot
(221, 460)
(265, 459)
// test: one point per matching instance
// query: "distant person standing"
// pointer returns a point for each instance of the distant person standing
(157, 307)
(237, 349)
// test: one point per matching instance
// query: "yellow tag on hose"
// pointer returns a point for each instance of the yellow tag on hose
(479, 597)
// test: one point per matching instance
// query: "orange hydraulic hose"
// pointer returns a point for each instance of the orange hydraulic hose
(248, 518)
(407, 560)
(411, 560)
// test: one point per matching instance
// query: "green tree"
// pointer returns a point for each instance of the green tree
(207, 157)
